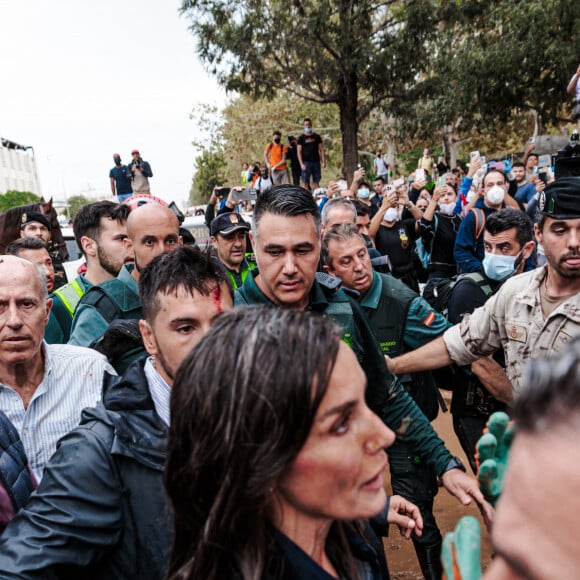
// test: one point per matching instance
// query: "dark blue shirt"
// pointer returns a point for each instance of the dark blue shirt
(119, 174)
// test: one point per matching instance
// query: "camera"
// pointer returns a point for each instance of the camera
(222, 191)
(567, 161)
(249, 194)
(138, 163)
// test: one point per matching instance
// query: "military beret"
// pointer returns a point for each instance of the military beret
(33, 216)
(561, 199)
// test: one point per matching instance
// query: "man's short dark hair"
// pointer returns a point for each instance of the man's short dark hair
(277, 133)
(286, 201)
(21, 244)
(518, 164)
(87, 222)
(307, 119)
(362, 208)
(379, 178)
(533, 155)
(185, 267)
(508, 218)
(494, 170)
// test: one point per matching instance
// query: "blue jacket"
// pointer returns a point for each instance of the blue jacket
(469, 251)
(16, 483)
(100, 510)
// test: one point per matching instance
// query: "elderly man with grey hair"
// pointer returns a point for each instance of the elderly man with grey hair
(43, 388)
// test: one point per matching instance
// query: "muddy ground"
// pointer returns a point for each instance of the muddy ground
(400, 553)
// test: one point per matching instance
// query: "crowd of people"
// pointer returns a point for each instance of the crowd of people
(228, 412)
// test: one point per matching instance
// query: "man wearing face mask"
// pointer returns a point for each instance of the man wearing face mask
(275, 156)
(508, 242)
(468, 250)
(310, 156)
(532, 315)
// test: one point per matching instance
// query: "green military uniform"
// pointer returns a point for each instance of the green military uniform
(401, 320)
(385, 395)
(92, 319)
(238, 278)
(64, 302)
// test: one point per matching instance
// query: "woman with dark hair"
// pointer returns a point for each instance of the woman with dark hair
(273, 454)
(439, 226)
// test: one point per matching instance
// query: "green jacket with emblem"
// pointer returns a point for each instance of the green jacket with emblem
(385, 395)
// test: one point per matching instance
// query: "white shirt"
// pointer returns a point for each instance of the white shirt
(159, 389)
(73, 380)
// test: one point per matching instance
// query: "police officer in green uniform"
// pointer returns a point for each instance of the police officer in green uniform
(401, 320)
(286, 240)
(228, 237)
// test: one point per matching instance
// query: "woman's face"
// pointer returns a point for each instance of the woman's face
(338, 474)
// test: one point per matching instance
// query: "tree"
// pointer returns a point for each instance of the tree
(14, 198)
(75, 203)
(210, 166)
(351, 53)
(496, 61)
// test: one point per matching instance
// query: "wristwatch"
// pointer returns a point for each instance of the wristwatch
(454, 463)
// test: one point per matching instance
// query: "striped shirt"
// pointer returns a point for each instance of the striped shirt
(159, 389)
(73, 379)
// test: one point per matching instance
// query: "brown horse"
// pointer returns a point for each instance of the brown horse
(11, 220)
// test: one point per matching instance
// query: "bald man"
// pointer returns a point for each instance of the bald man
(43, 388)
(152, 229)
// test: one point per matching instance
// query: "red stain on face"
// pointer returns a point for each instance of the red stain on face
(217, 299)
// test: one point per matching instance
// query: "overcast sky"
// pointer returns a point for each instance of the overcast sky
(83, 79)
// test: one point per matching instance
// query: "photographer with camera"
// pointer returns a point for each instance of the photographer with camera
(139, 173)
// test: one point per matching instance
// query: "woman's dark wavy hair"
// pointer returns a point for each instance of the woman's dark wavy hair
(242, 407)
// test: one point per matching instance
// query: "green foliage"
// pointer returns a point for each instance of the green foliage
(493, 61)
(210, 167)
(473, 74)
(350, 53)
(15, 198)
(75, 203)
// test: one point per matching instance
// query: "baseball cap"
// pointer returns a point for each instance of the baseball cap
(227, 223)
(135, 151)
(561, 199)
(33, 216)
(115, 155)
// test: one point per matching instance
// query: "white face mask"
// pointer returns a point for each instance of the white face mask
(364, 193)
(391, 215)
(495, 195)
(447, 208)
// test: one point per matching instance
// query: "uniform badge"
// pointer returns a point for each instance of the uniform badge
(516, 332)
(24, 218)
(234, 218)
(429, 319)
(542, 201)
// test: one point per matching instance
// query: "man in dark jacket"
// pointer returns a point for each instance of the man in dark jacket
(286, 239)
(100, 510)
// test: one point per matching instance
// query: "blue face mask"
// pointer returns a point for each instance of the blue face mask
(364, 193)
(308, 130)
(498, 267)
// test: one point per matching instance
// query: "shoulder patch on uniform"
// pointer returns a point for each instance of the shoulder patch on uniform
(429, 319)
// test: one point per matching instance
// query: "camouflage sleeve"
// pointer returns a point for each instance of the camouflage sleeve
(390, 401)
(479, 334)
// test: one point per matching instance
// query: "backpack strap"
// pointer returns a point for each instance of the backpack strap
(479, 280)
(98, 298)
(479, 216)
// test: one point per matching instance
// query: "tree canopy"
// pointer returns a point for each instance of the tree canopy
(13, 198)
(415, 68)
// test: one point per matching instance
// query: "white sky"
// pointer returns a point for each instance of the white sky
(83, 79)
